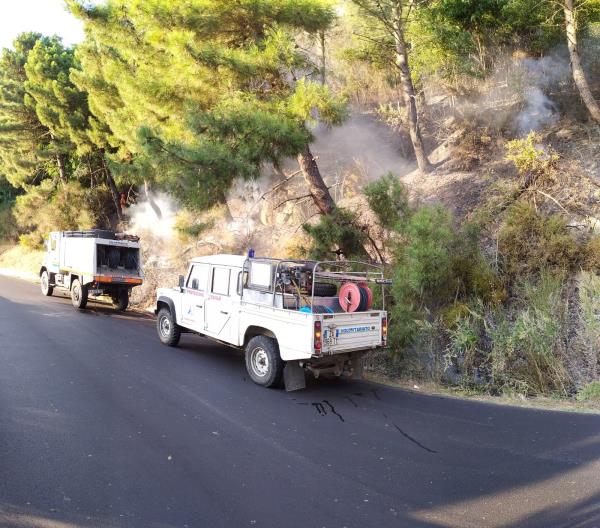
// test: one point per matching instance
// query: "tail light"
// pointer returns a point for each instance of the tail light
(384, 331)
(317, 338)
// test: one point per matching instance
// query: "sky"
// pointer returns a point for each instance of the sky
(49, 17)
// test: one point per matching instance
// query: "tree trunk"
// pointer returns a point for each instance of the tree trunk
(578, 73)
(153, 204)
(323, 58)
(408, 90)
(316, 186)
(62, 171)
(111, 185)
(222, 197)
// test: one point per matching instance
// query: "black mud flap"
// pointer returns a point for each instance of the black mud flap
(357, 365)
(293, 376)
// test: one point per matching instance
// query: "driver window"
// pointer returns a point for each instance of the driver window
(198, 277)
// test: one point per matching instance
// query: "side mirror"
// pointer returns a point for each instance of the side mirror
(181, 282)
(195, 284)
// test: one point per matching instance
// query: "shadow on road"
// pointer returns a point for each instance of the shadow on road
(415, 460)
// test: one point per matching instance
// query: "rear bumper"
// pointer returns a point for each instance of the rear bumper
(102, 280)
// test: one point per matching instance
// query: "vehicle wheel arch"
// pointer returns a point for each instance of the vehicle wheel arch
(255, 330)
(165, 302)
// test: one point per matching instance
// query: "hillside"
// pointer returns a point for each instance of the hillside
(456, 144)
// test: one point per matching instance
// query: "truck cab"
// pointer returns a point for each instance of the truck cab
(289, 316)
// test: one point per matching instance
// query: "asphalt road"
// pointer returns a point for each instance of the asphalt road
(102, 426)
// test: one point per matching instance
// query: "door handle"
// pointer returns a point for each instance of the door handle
(199, 306)
(224, 313)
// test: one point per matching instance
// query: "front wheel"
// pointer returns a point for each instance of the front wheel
(45, 284)
(79, 294)
(168, 329)
(263, 361)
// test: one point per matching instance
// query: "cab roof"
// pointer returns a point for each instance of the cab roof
(236, 261)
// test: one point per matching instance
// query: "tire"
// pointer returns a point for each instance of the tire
(324, 289)
(114, 258)
(168, 330)
(121, 300)
(79, 294)
(263, 361)
(45, 284)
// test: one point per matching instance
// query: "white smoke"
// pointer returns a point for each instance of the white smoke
(144, 220)
(363, 146)
(539, 111)
(541, 76)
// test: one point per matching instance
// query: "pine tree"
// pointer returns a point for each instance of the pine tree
(387, 22)
(26, 145)
(200, 93)
(62, 107)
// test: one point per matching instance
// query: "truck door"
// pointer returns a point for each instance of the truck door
(194, 297)
(219, 303)
(52, 259)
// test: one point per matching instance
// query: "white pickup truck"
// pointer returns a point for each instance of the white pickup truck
(288, 315)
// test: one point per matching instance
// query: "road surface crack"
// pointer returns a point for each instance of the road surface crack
(406, 435)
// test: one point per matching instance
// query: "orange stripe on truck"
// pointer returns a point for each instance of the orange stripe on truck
(106, 278)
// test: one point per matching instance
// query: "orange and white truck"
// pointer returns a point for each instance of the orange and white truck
(93, 264)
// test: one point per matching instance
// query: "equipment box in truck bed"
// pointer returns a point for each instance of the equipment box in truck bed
(92, 263)
(288, 316)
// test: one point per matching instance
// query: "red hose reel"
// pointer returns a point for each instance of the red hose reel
(355, 297)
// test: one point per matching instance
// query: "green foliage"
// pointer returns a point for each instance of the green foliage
(8, 229)
(590, 393)
(526, 350)
(59, 105)
(530, 157)
(438, 265)
(463, 350)
(47, 207)
(25, 143)
(336, 234)
(516, 348)
(529, 242)
(388, 199)
(197, 94)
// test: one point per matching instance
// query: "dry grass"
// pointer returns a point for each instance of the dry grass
(19, 258)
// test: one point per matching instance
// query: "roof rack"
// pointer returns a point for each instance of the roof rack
(101, 233)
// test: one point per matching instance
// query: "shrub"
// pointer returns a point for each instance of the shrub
(590, 393)
(529, 242)
(530, 157)
(591, 254)
(336, 234)
(438, 265)
(388, 199)
(48, 208)
(527, 346)
(8, 229)
(463, 349)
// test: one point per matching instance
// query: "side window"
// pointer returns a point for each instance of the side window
(198, 277)
(261, 276)
(53, 244)
(220, 281)
(242, 282)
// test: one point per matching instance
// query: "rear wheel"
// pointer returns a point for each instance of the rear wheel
(263, 361)
(169, 332)
(79, 294)
(121, 300)
(45, 284)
